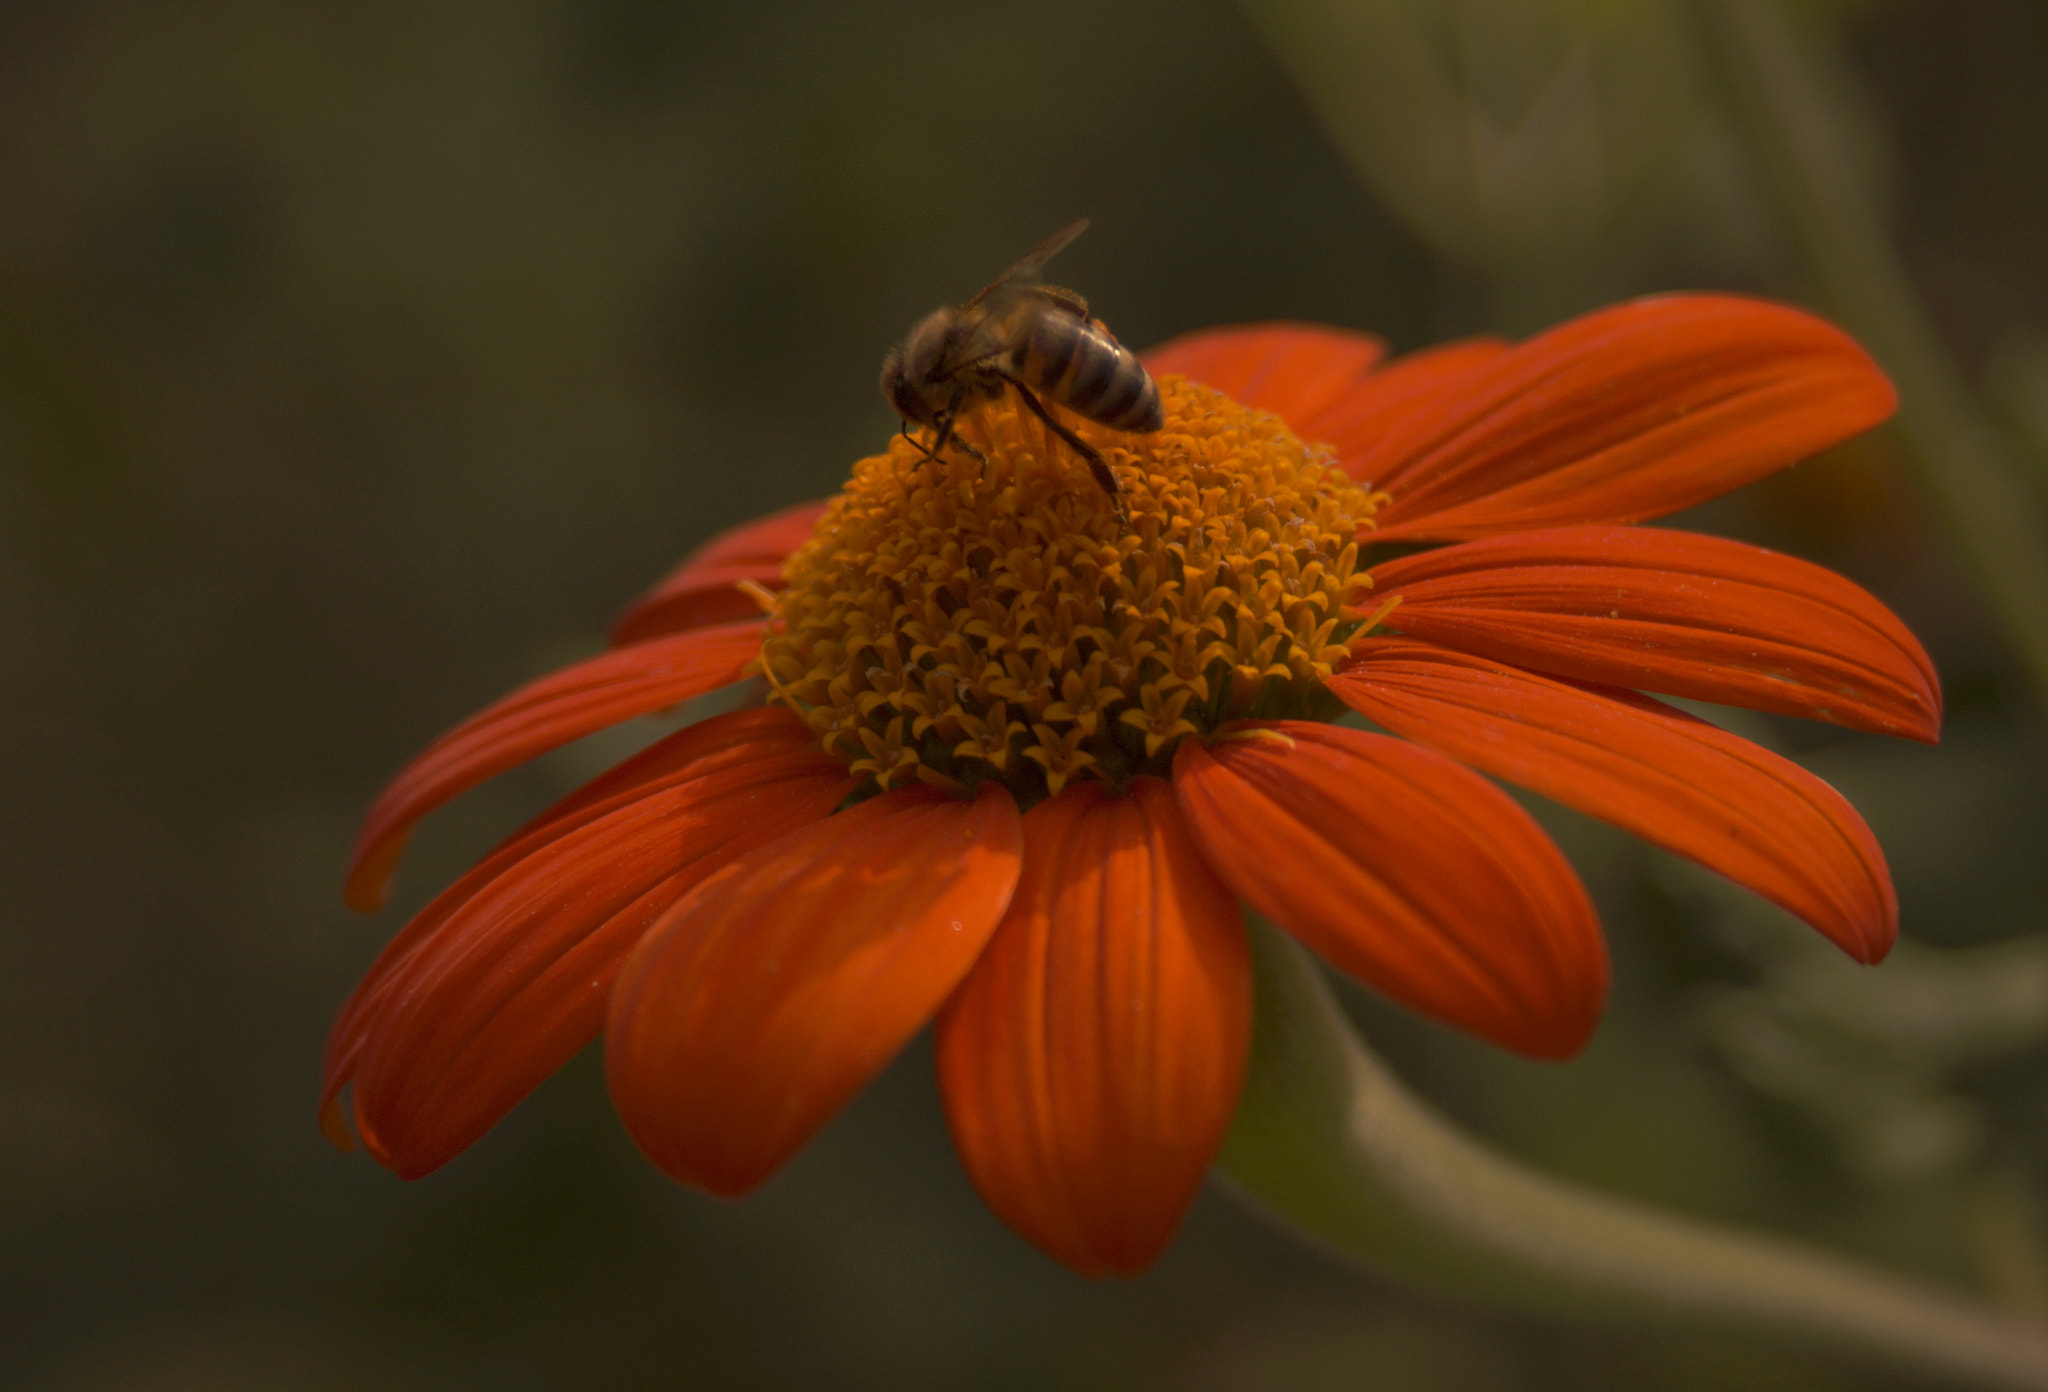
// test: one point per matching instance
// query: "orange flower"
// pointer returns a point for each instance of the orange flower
(1019, 763)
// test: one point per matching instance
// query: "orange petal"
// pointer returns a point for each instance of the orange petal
(506, 975)
(1618, 416)
(1091, 1061)
(700, 590)
(540, 716)
(1413, 386)
(1405, 870)
(1669, 611)
(775, 991)
(1676, 781)
(769, 538)
(703, 596)
(736, 739)
(1300, 372)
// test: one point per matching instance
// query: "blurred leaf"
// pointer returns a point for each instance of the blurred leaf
(1512, 134)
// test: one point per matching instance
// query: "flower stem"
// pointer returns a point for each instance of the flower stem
(1328, 1139)
(1804, 140)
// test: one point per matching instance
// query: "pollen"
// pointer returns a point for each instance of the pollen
(986, 613)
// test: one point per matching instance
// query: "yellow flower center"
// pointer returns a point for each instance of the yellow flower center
(960, 618)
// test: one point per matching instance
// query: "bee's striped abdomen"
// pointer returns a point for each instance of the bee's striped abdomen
(1076, 363)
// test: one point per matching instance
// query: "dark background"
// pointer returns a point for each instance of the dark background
(357, 362)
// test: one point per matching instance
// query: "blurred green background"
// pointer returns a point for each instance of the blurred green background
(358, 361)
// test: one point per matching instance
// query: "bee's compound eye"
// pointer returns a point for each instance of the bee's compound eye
(894, 389)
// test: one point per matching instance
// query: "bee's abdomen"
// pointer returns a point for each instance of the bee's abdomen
(1079, 365)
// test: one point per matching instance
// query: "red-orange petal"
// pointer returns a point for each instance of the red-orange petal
(769, 538)
(737, 738)
(1674, 780)
(776, 990)
(1091, 1061)
(1673, 612)
(699, 591)
(1414, 386)
(1407, 871)
(506, 975)
(1618, 416)
(1300, 372)
(540, 716)
(698, 598)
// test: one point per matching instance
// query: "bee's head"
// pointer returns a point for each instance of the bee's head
(896, 389)
(910, 374)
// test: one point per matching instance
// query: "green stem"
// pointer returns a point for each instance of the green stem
(1803, 140)
(1327, 1138)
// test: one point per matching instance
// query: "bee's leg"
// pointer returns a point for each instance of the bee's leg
(1097, 465)
(963, 391)
(947, 436)
(915, 440)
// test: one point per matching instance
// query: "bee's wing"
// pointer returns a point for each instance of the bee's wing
(1027, 268)
(1004, 314)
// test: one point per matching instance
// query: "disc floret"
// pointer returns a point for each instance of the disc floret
(956, 618)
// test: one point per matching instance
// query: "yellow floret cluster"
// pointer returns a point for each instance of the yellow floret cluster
(956, 618)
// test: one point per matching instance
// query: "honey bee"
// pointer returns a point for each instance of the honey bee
(1019, 334)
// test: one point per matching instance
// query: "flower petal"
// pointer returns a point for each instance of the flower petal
(776, 990)
(697, 598)
(1669, 611)
(540, 716)
(1415, 385)
(1300, 372)
(500, 980)
(1091, 1060)
(1622, 415)
(1407, 871)
(700, 590)
(735, 738)
(769, 538)
(740, 736)
(1676, 781)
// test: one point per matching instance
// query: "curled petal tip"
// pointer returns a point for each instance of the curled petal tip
(368, 883)
(334, 1123)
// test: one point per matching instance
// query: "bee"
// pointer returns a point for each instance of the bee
(1024, 336)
